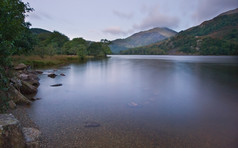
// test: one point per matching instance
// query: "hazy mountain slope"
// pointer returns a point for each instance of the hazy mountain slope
(218, 36)
(141, 39)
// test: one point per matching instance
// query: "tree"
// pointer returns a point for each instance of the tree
(98, 49)
(75, 46)
(12, 23)
(82, 51)
(56, 40)
(25, 41)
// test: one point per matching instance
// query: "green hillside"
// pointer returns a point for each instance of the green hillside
(218, 36)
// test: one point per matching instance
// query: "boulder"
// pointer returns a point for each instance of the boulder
(52, 75)
(39, 72)
(56, 85)
(33, 76)
(134, 104)
(23, 76)
(30, 77)
(16, 82)
(17, 97)
(11, 135)
(34, 83)
(27, 88)
(34, 99)
(32, 137)
(20, 67)
(91, 124)
(62, 74)
(12, 104)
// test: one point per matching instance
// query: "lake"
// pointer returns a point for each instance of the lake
(141, 102)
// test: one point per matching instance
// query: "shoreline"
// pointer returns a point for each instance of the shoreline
(23, 87)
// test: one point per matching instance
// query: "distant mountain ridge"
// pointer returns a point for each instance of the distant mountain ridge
(218, 36)
(141, 39)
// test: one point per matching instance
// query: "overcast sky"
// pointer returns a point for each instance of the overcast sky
(112, 19)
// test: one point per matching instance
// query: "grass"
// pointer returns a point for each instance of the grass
(37, 61)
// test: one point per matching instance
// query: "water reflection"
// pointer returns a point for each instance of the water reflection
(142, 101)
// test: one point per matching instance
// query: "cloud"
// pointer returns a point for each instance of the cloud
(208, 9)
(123, 15)
(36, 15)
(154, 18)
(114, 31)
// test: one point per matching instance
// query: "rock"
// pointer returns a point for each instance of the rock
(91, 124)
(11, 135)
(16, 82)
(34, 83)
(34, 99)
(17, 97)
(12, 104)
(23, 77)
(56, 85)
(39, 72)
(32, 137)
(62, 74)
(30, 77)
(133, 104)
(52, 75)
(20, 67)
(33, 76)
(27, 88)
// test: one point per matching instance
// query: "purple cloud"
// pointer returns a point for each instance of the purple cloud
(114, 31)
(123, 14)
(154, 18)
(208, 9)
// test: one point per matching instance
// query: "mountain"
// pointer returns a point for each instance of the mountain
(141, 39)
(39, 31)
(218, 36)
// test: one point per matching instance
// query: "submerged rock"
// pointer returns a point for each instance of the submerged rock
(62, 74)
(34, 99)
(56, 85)
(133, 104)
(91, 124)
(11, 135)
(20, 67)
(52, 75)
(32, 137)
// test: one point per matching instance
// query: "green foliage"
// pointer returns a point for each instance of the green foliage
(75, 46)
(49, 43)
(98, 49)
(144, 51)
(218, 47)
(55, 42)
(214, 25)
(25, 41)
(12, 25)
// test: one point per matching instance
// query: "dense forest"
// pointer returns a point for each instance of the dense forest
(51, 43)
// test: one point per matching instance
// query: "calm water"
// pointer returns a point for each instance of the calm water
(141, 102)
